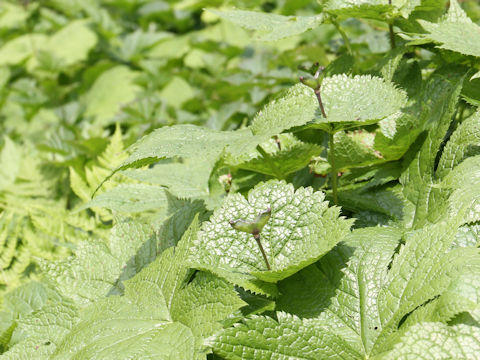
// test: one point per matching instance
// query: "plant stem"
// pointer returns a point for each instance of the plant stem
(392, 36)
(257, 239)
(333, 173)
(390, 29)
(344, 37)
(320, 102)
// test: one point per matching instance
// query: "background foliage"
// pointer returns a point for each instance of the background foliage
(180, 116)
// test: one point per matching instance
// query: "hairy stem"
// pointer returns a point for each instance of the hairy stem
(344, 37)
(333, 173)
(257, 239)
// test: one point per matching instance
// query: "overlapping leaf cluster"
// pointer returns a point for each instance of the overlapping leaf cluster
(341, 222)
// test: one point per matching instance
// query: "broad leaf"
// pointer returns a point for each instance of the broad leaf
(270, 26)
(162, 314)
(437, 341)
(278, 157)
(300, 230)
(356, 101)
(350, 304)
(450, 31)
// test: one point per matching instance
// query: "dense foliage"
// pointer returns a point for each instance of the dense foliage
(283, 179)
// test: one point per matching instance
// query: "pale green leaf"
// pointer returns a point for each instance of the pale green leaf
(431, 341)
(300, 230)
(97, 266)
(119, 328)
(355, 101)
(131, 198)
(287, 337)
(187, 179)
(354, 149)
(163, 314)
(21, 48)
(351, 302)
(176, 92)
(111, 90)
(451, 31)
(10, 160)
(72, 43)
(270, 27)
(297, 107)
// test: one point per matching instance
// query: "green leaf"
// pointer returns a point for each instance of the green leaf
(463, 143)
(278, 157)
(20, 48)
(111, 90)
(348, 102)
(450, 31)
(120, 328)
(163, 314)
(440, 96)
(270, 27)
(437, 341)
(351, 302)
(187, 179)
(373, 9)
(300, 230)
(98, 267)
(356, 101)
(297, 107)
(355, 149)
(10, 160)
(130, 198)
(72, 43)
(397, 133)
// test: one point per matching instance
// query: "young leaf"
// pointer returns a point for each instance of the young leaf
(270, 27)
(278, 157)
(300, 230)
(450, 31)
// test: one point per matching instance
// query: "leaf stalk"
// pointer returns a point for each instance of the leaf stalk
(333, 173)
(256, 236)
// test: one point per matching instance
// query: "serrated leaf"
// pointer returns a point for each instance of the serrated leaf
(95, 270)
(300, 230)
(270, 27)
(355, 101)
(163, 314)
(437, 341)
(183, 141)
(279, 157)
(351, 302)
(464, 143)
(124, 329)
(355, 149)
(450, 31)
(297, 107)
(437, 114)
(348, 102)
(373, 9)
(187, 179)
